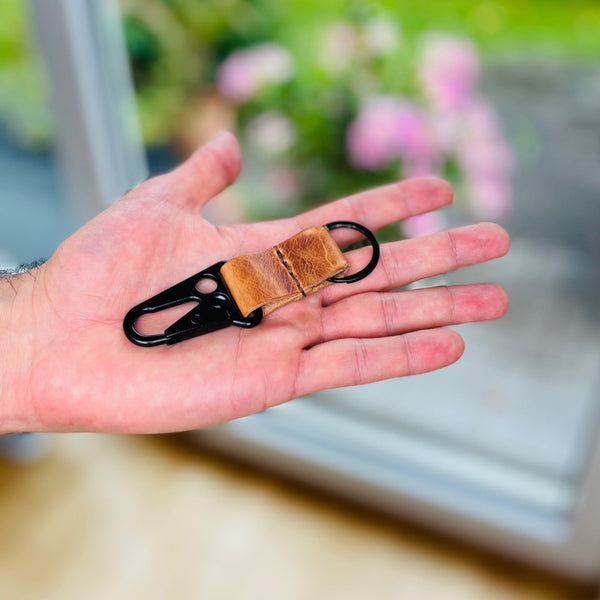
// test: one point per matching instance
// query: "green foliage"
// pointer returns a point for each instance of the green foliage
(24, 99)
(566, 29)
(175, 46)
(143, 47)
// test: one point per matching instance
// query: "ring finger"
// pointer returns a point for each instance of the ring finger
(392, 313)
(413, 259)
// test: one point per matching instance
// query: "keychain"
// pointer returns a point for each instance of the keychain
(247, 287)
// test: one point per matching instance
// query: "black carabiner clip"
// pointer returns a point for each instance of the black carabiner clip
(213, 311)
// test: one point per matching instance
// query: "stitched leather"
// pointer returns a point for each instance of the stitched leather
(287, 272)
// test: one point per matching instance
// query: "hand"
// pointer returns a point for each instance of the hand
(68, 366)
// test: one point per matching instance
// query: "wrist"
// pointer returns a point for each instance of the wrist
(17, 294)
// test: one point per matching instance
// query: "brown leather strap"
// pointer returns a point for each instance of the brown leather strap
(286, 272)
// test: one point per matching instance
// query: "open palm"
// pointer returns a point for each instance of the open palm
(83, 374)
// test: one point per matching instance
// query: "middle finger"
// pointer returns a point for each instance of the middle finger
(410, 260)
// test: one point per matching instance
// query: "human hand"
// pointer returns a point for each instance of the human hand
(68, 366)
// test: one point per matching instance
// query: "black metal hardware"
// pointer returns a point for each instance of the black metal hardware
(372, 241)
(214, 310)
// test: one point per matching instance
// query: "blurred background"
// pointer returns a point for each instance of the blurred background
(499, 451)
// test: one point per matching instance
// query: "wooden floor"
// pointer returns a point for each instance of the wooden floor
(118, 517)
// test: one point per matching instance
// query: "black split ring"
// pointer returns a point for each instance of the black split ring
(372, 241)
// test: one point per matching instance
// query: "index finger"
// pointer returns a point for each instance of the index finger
(374, 209)
(384, 205)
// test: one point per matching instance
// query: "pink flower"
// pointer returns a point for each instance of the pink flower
(485, 156)
(490, 198)
(446, 127)
(486, 160)
(448, 70)
(245, 71)
(481, 117)
(475, 135)
(388, 128)
(424, 224)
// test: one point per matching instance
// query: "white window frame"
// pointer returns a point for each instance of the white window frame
(98, 139)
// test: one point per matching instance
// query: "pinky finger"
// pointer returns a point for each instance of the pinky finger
(347, 362)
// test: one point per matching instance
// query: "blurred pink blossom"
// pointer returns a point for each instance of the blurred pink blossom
(481, 116)
(480, 156)
(424, 224)
(489, 197)
(486, 160)
(245, 71)
(448, 70)
(271, 133)
(445, 127)
(473, 136)
(388, 128)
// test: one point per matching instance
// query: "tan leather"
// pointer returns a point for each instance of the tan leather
(286, 272)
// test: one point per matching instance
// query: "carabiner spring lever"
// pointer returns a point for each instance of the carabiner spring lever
(214, 310)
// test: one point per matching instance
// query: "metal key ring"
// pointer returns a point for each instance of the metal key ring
(372, 241)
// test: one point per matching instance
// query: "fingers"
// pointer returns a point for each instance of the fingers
(384, 205)
(374, 209)
(357, 361)
(413, 259)
(206, 173)
(385, 314)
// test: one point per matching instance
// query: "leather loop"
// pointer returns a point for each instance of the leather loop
(287, 272)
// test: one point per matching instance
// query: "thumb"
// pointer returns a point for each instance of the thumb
(206, 173)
